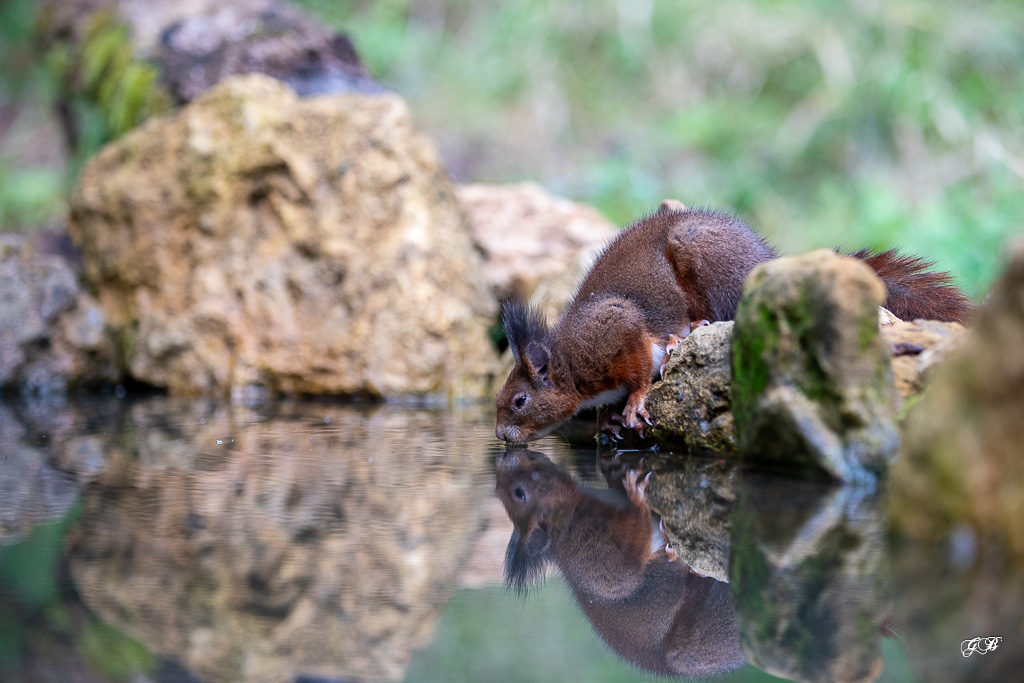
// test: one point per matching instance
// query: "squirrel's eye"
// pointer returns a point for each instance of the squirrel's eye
(519, 400)
(519, 493)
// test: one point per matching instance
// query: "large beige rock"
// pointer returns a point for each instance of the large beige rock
(254, 239)
(961, 470)
(812, 387)
(535, 244)
(53, 335)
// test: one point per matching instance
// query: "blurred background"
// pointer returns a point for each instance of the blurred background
(821, 123)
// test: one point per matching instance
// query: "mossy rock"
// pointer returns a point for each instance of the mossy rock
(812, 388)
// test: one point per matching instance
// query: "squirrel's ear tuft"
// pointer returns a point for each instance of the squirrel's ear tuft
(525, 559)
(523, 324)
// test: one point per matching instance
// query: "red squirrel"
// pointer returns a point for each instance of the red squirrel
(656, 281)
(654, 612)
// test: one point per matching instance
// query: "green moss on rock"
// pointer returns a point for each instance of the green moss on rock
(104, 87)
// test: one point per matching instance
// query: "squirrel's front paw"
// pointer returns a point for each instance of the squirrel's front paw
(632, 414)
(636, 486)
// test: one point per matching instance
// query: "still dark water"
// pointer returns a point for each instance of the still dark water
(166, 540)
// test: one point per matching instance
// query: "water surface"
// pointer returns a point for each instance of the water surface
(169, 540)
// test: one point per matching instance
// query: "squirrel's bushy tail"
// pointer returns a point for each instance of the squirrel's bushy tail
(913, 291)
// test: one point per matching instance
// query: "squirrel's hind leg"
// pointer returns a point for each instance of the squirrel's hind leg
(611, 423)
(670, 346)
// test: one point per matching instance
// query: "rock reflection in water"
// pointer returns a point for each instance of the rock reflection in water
(655, 613)
(695, 501)
(808, 579)
(320, 543)
(32, 491)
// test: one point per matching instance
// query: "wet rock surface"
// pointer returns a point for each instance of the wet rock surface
(961, 471)
(254, 241)
(693, 403)
(53, 334)
(809, 580)
(535, 244)
(695, 500)
(812, 388)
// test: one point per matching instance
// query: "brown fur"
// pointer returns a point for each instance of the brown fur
(657, 277)
(655, 613)
(912, 291)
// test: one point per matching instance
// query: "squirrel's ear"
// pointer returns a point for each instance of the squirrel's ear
(525, 559)
(523, 324)
(538, 358)
(671, 206)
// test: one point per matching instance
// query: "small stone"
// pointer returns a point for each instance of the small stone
(917, 347)
(693, 403)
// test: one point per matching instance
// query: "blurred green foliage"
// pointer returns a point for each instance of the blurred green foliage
(857, 123)
(111, 653)
(852, 123)
(106, 90)
(29, 196)
(31, 190)
(102, 89)
(28, 568)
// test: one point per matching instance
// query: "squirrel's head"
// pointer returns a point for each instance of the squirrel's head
(532, 489)
(535, 397)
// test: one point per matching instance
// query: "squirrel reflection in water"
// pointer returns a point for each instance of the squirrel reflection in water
(653, 611)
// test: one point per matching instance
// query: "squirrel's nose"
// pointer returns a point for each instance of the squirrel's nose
(507, 432)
